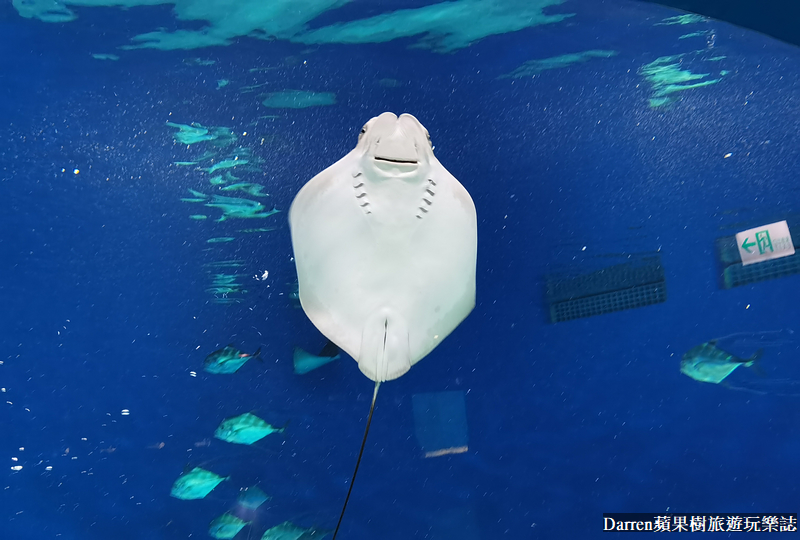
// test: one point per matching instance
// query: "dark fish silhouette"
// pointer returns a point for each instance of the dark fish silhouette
(227, 360)
(708, 363)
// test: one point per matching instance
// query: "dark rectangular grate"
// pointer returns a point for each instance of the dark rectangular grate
(624, 286)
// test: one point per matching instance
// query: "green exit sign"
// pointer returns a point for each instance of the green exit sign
(764, 243)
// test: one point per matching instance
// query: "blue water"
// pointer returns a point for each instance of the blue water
(105, 308)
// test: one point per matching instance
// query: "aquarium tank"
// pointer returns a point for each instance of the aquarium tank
(403, 269)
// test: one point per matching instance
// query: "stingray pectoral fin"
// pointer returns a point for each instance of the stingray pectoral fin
(385, 353)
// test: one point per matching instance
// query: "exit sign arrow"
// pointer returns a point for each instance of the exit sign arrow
(747, 245)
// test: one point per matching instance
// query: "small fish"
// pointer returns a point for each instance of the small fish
(226, 279)
(248, 187)
(247, 214)
(199, 62)
(707, 363)
(258, 230)
(191, 134)
(102, 56)
(234, 263)
(390, 83)
(184, 163)
(224, 290)
(227, 164)
(289, 531)
(245, 429)
(227, 360)
(220, 240)
(198, 216)
(195, 484)
(252, 497)
(237, 207)
(305, 361)
(226, 526)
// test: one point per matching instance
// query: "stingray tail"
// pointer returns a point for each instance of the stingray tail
(754, 363)
(358, 461)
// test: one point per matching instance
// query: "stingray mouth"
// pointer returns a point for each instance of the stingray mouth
(397, 161)
(396, 166)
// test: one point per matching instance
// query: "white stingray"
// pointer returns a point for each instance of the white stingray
(385, 243)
